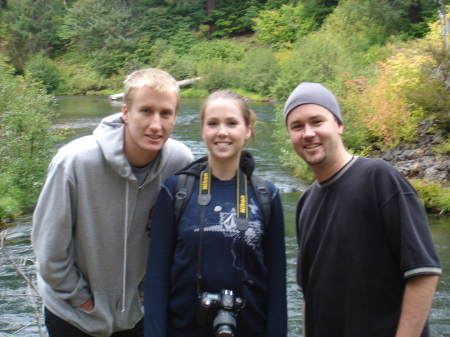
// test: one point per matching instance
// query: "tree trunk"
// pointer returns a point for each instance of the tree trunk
(4, 4)
(210, 6)
(414, 12)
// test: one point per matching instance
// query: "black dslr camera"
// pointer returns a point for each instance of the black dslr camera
(221, 309)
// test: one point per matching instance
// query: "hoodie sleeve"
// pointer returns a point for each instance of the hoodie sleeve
(53, 224)
(275, 255)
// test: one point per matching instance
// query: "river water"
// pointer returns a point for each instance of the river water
(82, 115)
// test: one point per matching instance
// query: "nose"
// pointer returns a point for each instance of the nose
(308, 131)
(155, 123)
(222, 130)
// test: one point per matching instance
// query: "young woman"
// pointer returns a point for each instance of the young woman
(219, 270)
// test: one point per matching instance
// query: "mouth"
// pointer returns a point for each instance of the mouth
(311, 146)
(154, 137)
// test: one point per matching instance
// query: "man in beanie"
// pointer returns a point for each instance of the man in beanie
(367, 265)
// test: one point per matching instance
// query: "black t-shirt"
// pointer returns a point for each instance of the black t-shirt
(361, 234)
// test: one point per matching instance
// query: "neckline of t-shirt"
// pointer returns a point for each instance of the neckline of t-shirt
(338, 174)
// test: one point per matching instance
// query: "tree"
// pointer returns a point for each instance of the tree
(33, 26)
(26, 113)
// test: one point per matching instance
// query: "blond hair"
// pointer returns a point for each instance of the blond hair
(247, 113)
(157, 79)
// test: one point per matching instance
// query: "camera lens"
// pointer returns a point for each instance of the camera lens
(224, 331)
(224, 323)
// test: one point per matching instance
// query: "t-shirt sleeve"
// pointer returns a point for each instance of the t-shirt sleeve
(407, 228)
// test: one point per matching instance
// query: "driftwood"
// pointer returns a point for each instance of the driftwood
(180, 83)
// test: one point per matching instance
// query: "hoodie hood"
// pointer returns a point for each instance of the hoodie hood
(110, 137)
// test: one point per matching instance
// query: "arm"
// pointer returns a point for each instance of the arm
(53, 223)
(275, 255)
(416, 305)
(159, 262)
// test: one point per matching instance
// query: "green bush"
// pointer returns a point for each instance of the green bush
(194, 93)
(180, 67)
(259, 71)
(217, 74)
(79, 79)
(434, 196)
(26, 112)
(44, 70)
(9, 208)
(218, 49)
(443, 147)
(279, 27)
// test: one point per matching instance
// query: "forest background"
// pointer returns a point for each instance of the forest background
(387, 61)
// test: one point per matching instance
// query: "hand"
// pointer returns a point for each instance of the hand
(88, 305)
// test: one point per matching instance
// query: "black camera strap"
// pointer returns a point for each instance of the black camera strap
(204, 198)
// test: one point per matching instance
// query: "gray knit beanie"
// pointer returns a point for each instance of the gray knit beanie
(312, 93)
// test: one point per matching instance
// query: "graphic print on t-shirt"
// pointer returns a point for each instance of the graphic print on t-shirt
(227, 225)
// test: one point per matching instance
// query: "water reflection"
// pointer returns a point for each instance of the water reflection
(83, 114)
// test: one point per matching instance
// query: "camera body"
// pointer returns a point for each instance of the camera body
(221, 309)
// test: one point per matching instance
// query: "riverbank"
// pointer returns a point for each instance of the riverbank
(427, 171)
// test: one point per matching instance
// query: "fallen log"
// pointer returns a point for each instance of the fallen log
(180, 83)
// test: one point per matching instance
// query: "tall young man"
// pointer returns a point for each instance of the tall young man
(91, 221)
(367, 265)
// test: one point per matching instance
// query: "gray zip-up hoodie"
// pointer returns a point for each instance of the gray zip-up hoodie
(89, 228)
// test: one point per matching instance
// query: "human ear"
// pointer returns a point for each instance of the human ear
(125, 113)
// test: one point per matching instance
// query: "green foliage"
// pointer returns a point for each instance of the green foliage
(194, 93)
(218, 49)
(32, 28)
(217, 74)
(183, 40)
(180, 67)
(26, 112)
(42, 69)
(5, 66)
(79, 79)
(433, 196)
(101, 32)
(319, 57)
(279, 27)
(259, 71)
(9, 207)
(289, 157)
(443, 147)
(234, 17)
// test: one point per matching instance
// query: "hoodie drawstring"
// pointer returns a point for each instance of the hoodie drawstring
(125, 247)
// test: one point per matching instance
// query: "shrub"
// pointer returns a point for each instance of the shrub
(26, 112)
(194, 93)
(443, 147)
(180, 67)
(279, 27)
(44, 70)
(217, 74)
(433, 196)
(218, 49)
(259, 71)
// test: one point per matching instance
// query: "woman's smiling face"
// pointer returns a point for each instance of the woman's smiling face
(224, 130)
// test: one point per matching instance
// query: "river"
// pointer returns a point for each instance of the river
(82, 114)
